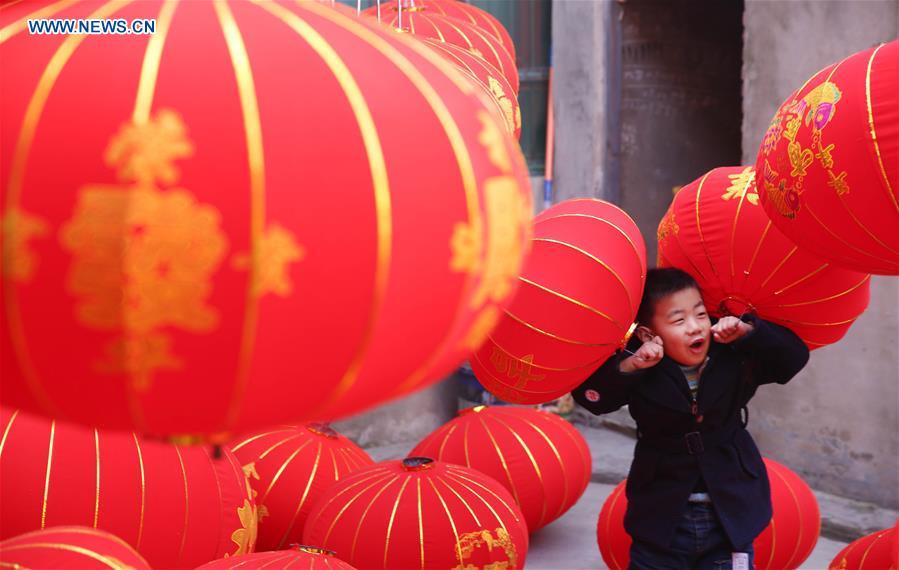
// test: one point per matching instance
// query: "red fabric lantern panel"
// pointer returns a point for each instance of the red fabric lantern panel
(288, 469)
(233, 243)
(419, 513)
(297, 557)
(579, 293)
(178, 506)
(876, 551)
(437, 27)
(795, 526)
(487, 77)
(538, 457)
(786, 542)
(461, 10)
(829, 163)
(614, 542)
(70, 547)
(716, 230)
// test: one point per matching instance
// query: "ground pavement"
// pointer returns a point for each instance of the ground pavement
(569, 543)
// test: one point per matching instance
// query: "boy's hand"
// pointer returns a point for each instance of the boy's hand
(729, 329)
(648, 355)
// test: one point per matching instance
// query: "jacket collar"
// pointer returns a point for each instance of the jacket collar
(669, 387)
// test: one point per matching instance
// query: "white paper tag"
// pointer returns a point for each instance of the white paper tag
(739, 560)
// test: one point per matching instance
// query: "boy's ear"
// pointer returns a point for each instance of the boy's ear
(644, 333)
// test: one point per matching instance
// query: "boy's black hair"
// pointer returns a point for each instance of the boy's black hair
(661, 282)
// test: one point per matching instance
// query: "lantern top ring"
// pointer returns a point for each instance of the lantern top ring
(473, 410)
(312, 549)
(736, 306)
(322, 429)
(417, 463)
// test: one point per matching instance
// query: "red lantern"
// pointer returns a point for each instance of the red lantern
(418, 513)
(579, 293)
(288, 469)
(786, 542)
(614, 542)
(793, 531)
(876, 551)
(230, 245)
(716, 231)
(437, 27)
(538, 457)
(829, 163)
(305, 557)
(69, 547)
(461, 10)
(489, 78)
(178, 506)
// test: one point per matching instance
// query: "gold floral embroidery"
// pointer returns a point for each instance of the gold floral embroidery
(521, 368)
(277, 249)
(466, 248)
(507, 213)
(471, 541)
(510, 113)
(785, 200)
(18, 229)
(139, 357)
(838, 183)
(145, 152)
(143, 257)
(814, 111)
(245, 536)
(667, 226)
(742, 184)
(505, 210)
(492, 139)
(249, 470)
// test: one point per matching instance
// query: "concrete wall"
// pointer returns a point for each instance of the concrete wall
(837, 423)
(581, 78)
(680, 100)
(404, 420)
(646, 98)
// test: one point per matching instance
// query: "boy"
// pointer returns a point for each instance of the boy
(697, 491)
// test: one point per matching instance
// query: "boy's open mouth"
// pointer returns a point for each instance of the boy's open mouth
(697, 343)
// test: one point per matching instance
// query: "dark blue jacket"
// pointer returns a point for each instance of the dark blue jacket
(668, 463)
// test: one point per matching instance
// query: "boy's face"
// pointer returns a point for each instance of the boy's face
(684, 325)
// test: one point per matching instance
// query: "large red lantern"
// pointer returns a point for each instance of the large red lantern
(876, 551)
(716, 230)
(79, 547)
(288, 469)
(829, 163)
(258, 205)
(538, 457)
(462, 10)
(418, 513)
(178, 506)
(437, 27)
(579, 293)
(489, 78)
(786, 542)
(793, 532)
(298, 557)
(614, 542)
